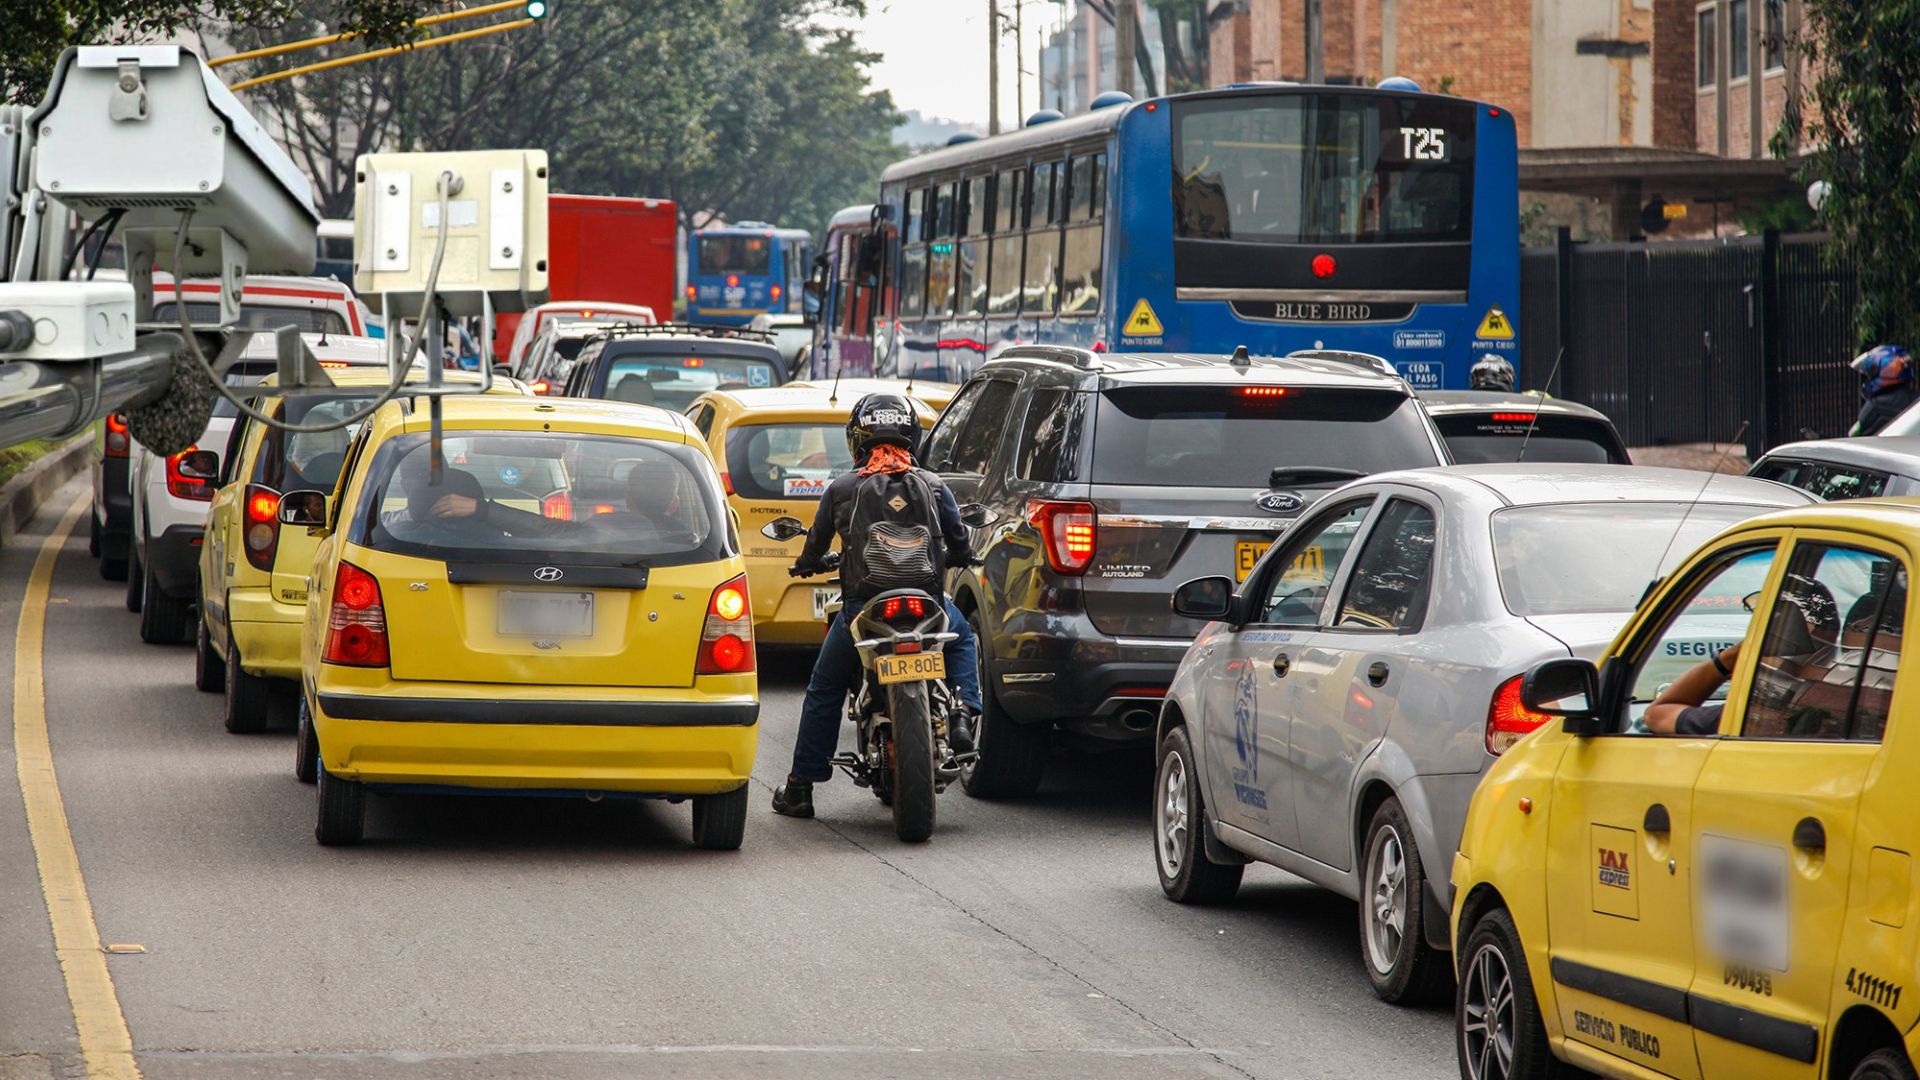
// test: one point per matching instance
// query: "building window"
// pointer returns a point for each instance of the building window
(1704, 43)
(1737, 39)
(1773, 45)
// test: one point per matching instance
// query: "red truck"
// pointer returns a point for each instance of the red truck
(605, 249)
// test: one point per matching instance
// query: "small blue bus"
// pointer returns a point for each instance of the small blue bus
(735, 272)
(1276, 216)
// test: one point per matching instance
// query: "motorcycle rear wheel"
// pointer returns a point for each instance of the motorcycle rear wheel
(913, 765)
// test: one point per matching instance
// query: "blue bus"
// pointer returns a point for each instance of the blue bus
(735, 272)
(1276, 216)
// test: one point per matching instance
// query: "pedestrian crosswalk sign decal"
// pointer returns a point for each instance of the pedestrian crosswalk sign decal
(1143, 322)
(1496, 325)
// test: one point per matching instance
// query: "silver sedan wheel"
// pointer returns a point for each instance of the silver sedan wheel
(1486, 1015)
(1170, 817)
(1385, 898)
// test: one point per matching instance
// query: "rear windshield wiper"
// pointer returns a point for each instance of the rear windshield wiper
(1310, 476)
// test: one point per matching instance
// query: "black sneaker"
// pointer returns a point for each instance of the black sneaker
(960, 730)
(794, 798)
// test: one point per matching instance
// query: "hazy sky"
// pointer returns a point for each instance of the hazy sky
(934, 54)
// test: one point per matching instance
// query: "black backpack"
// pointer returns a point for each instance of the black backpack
(893, 536)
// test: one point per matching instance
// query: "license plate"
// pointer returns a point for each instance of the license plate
(823, 599)
(545, 614)
(912, 667)
(1245, 554)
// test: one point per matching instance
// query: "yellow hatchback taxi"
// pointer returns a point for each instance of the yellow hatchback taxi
(253, 573)
(777, 449)
(561, 610)
(1734, 897)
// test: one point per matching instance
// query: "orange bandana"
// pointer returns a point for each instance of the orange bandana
(887, 459)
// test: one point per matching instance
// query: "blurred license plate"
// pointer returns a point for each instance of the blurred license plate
(545, 614)
(913, 667)
(823, 599)
(1245, 554)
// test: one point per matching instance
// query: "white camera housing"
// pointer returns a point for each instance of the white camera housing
(496, 230)
(72, 320)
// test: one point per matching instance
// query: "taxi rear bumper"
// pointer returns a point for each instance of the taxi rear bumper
(266, 631)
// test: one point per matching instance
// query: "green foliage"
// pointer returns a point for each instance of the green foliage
(1790, 215)
(1864, 131)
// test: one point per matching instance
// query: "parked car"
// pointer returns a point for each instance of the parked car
(1488, 426)
(671, 365)
(537, 319)
(1733, 902)
(1336, 716)
(1854, 468)
(1114, 477)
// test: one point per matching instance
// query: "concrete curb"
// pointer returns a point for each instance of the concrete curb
(20, 499)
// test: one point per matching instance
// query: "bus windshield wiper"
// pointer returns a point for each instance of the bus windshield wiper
(1310, 476)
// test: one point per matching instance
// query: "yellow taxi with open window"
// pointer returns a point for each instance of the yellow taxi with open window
(1705, 866)
(557, 605)
(777, 449)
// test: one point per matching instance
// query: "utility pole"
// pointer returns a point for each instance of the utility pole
(1020, 62)
(993, 67)
(1316, 46)
(1126, 23)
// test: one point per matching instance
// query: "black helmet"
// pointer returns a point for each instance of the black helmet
(882, 420)
(1491, 372)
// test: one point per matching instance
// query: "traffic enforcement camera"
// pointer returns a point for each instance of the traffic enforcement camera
(495, 229)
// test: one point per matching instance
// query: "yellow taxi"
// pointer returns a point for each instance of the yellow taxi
(934, 395)
(253, 574)
(777, 449)
(1710, 872)
(560, 607)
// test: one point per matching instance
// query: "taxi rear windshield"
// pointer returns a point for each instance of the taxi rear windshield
(301, 460)
(1592, 558)
(786, 461)
(672, 382)
(541, 497)
(1484, 438)
(1234, 436)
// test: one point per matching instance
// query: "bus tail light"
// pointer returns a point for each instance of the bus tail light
(357, 623)
(118, 441)
(262, 524)
(1508, 718)
(1067, 532)
(726, 644)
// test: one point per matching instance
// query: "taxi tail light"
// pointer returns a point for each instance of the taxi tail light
(1508, 718)
(357, 624)
(726, 483)
(182, 486)
(1067, 531)
(540, 386)
(726, 644)
(261, 522)
(118, 441)
(558, 506)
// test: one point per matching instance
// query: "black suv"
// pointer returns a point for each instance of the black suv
(671, 365)
(1117, 477)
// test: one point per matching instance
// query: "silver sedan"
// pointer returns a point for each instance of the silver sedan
(1335, 716)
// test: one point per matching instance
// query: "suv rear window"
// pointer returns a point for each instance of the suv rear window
(587, 499)
(1219, 436)
(672, 381)
(1491, 438)
(786, 461)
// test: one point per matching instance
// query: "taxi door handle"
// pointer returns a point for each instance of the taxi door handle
(1377, 674)
(1810, 835)
(1281, 663)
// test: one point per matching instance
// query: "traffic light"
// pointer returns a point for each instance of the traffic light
(536, 9)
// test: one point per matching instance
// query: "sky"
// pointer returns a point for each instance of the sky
(934, 54)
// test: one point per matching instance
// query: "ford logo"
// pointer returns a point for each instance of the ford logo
(554, 573)
(1278, 502)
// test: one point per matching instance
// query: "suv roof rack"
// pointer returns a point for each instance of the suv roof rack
(1378, 364)
(1059, 354)
(704, 330)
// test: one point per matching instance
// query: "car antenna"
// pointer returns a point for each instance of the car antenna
(834, 398)
(1538, 403)
(1711, 473)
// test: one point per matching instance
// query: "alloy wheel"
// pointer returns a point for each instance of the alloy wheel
(1386, 898)
(1170, 816)
(1486, 1020)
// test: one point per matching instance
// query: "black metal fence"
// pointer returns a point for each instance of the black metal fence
(1685, 342)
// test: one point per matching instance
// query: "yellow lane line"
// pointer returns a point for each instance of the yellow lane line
(105, 1045)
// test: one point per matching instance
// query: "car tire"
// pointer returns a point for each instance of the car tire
(163, 620)
(720, 821)
(136, 580)
(93, 534)
(1496, 998)
(249, 697)
(1886, 1064)
(1012, 757)
(306, 746)
(1187, 876)
(1403, 968)
(209, 671)
(343, 810)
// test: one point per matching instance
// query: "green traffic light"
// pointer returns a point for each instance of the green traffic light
(536, 9)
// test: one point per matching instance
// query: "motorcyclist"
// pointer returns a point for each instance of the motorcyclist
(1491, 372)
(1886, 386)
(883, 433)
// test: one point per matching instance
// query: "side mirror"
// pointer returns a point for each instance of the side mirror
(308, 508)
(782, 528)
(200, 465)
(1568, 688)
(1208, 598)
(976, 516)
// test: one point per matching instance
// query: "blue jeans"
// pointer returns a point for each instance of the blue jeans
(834, 672)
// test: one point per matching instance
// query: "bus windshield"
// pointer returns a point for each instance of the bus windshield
(1323, 168)
(735, 254)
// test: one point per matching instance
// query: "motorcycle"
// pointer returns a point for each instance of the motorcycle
(901, 706)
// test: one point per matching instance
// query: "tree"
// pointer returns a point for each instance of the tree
(1184, 43)
(1861, 116)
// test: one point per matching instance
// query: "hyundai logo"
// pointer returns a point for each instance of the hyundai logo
(1278, 502)
(554, 573)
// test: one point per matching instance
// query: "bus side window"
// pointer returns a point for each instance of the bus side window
(1080, 266)
(1004, 270)
(913, 256)
(940, 254)
(1040, 286)
(971, 271)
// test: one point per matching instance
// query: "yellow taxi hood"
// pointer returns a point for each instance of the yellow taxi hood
(580, 415)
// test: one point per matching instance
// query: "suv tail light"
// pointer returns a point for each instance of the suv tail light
(1508, 719)
(357, 625)
(1067, 531)
(182, 486)
(118, 441)
(262, 525)
(726, 644)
